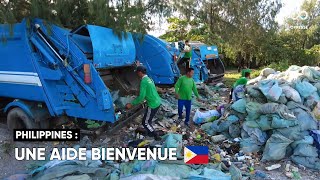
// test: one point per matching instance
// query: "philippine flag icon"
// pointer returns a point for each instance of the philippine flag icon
(196, 155)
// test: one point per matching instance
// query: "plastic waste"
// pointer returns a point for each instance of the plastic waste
(276, 148)
(238, 92)
(218, 138)
(316, 111)
(309, 162)
(305, 120)
(267, 71)
(305, 140)
(253, 110)
(305, 89)
(239, 106)
(305, 150)
(260, 174)
(249, 145)
(210, 174)
(173, 141)
(202, 117)
(270, 89)
(278, 122)
(291, 93)
(273, 167)
(236, 174)
(316, 136)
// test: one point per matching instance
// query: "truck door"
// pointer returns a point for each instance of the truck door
(155, 54)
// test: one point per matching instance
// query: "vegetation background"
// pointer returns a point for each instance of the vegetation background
(241, 29)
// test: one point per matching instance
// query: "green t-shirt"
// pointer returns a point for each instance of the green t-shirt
(184, 87)
(148, 92)
(188, 54)
(240, 81)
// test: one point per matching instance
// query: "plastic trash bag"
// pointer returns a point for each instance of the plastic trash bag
(275, 148)
(317, 85)
(264, 122)
(249, 145)
(174, 170)
(281, 109)
(253, 110)
(115, 95)
(254, 92)
(173, 141)
(267, 71)
(305, 89)
(309, 162)
(255, 80)
(311, 101)
(122, 101)
(270, 89)
(239, 106)
(256, 133)
(149, 177)
(291, 93)
(210, 174)
(316, 136)
(316, 111)
(294, 68)
(207, 128)
(282, 99)
(202, 117)
(278, 122)
(144, 166)
(235, 172)
(305, 150)
(305, 120)
(305, 140)
(292, 133)
(312, 74)
(238, 92)
(223, 125)
(234, 130)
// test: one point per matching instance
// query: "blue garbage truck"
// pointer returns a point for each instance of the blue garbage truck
(49, 74)
(157, 55)
(205, 60)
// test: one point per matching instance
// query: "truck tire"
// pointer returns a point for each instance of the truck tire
(18, 119)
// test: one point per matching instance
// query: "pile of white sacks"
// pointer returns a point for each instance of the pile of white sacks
(280, 115)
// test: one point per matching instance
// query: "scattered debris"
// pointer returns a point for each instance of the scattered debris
(273, 167)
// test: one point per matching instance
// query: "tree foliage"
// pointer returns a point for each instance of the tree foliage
(120, 15)
(249, 27)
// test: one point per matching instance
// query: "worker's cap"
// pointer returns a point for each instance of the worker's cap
(141, 69)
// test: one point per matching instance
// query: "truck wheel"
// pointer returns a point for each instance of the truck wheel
(18, 119)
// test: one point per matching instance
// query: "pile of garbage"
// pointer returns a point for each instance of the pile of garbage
(278, 116)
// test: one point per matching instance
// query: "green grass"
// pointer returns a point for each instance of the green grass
(232, 75)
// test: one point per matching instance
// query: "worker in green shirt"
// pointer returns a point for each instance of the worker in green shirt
(183, 89)
(238, 87)
(187, 54)
(149, 93)
(244, 71)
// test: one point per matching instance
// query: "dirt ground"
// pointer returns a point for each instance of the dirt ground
(9, 165)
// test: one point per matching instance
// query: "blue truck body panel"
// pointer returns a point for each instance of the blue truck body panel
(44, 66)
(31, 71)
(109, 50)
(158, 57)
(209, 50)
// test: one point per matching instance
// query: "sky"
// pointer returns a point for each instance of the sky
(288, 7)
